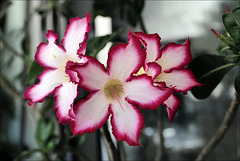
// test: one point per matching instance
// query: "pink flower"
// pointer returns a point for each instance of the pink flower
(54, 57)
(115, 91)
(168, 68)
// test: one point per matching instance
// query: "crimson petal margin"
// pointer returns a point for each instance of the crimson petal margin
(172, 104)
(92, 74)
(175, 56)
(127, 122)
(152, 44)
(50, 55)
(153, 69)
(180, 80)
(91, 114)
(48, 81)
(126, 59)
(75, 34)
(141, 91)
(64, 96)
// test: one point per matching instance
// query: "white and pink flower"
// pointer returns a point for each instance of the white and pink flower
(54, 57)
(168, 68)
(115, 91)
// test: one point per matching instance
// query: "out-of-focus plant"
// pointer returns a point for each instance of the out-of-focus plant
(210, 70)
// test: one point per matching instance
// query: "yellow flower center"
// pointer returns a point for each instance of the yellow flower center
(140, 72)
(113, 89)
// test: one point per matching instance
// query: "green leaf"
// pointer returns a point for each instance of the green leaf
(237, 83)
(35, 70)
(231, 21)
(44, 134)
(98, 43)
(107, 7)
(25, 154)
(209, 71)
(66, 10)
(132, 16)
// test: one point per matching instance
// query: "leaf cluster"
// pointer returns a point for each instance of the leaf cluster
(127, 10)
(210, 69)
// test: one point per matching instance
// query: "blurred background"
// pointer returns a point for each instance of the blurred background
(36, 131)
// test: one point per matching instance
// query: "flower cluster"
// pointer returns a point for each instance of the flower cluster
(134, 77)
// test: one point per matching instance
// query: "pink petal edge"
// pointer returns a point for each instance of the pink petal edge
(131, 52)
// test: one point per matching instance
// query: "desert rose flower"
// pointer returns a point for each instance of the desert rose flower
(115, 92)
(168, 68)
(54, 57)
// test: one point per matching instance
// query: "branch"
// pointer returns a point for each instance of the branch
(9, 89)
(142, 24)
(160, 125)
(10, 48)
(229, 116)
(111, 149)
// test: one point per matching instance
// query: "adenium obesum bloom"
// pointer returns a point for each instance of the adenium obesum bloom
(54, 57)
(168, 68)
(115, 91)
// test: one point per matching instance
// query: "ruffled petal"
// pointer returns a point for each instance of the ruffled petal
(175, 56)
(91, 114)
(153, 69)
(126, 59)
(92, 74)
(76, 34)
(64, 96)
(172, 104)
(141, 91)
(152, 44)
(48, 81)
(127, 122)
(50, 55)
(180, 80)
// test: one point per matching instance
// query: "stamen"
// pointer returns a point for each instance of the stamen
(116, 96)
(113, 89)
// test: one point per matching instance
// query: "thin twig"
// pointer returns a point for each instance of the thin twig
(9, 89)
(10, 48)
(160, 125)
(142, 25)
(111, 149)
(229, 117)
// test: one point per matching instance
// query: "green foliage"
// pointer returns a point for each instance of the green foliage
(26, 154)
(128, 10)
(98, 43)
(44, 135)
(34, 71)
(231, 21)
(237, 83)
(209, 71)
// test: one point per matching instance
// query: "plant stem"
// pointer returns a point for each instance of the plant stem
(111, 149)
(160, 125)
(142, 25)
(229, 116)
(10, 48)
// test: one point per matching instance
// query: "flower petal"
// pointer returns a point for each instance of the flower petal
(91, 114)
(152, 44)
(126, 59)
(64, 96)
(180, 80)
(141, 91)
(48, 81)
(175, 56)
(75, 34)
(153, 69)
(172, 104)
(50, 55)
(92, 74)
(127, 122)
